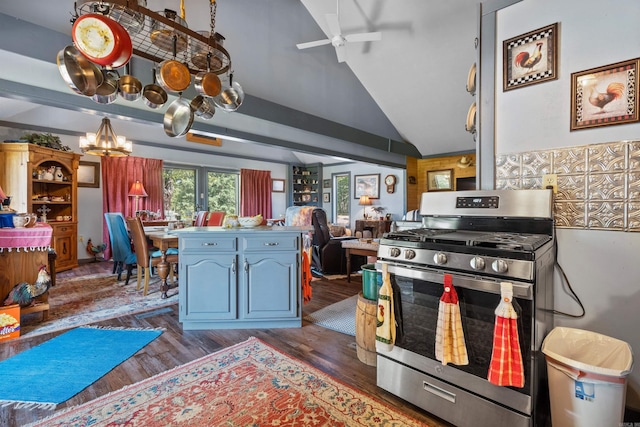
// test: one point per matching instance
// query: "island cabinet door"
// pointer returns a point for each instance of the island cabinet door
(208, 287)
(270, 285)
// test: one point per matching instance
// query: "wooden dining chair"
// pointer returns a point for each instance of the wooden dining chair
(216, 218)
(201, 218)
(147, 259)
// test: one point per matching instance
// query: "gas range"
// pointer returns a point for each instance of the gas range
(479, 232)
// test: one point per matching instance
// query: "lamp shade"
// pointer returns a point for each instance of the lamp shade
(365, 200)
(137, 189)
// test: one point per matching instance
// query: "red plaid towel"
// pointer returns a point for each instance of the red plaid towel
(506, 367)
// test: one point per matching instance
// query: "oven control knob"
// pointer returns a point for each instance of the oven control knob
(440, 258)
(394, 252)
(500, 266)
(409, 254)
(477, 263)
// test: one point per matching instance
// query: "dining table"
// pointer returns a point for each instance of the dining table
(163, 240)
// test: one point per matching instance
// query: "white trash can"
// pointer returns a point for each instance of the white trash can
(587, 377)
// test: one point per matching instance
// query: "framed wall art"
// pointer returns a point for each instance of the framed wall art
(326, 183)
(367, 185)
(530, 58)
(89, 174)
(441, 180)
(326, 197)
(277, 185)
(606, 95)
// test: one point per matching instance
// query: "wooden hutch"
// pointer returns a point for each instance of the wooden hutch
(54, 198)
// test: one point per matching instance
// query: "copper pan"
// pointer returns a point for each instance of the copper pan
(173, 75)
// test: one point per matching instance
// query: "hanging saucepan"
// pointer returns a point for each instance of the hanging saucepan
(178, 118)
(153, 95)
(102, 40)
(107, 92)
(203, 107)
(206, 82)
(173, 75)
(129, 87)
(231, 96)
(80, 74)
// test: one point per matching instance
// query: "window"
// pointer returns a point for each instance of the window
(341, 201)
(184, 192)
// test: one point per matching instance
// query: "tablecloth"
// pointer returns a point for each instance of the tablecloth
(36, 238)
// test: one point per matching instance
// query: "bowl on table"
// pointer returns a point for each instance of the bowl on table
(250, 221)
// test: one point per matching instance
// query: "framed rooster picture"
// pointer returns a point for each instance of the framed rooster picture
(530, 58)
(605, 95)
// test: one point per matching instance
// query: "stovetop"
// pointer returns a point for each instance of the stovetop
(496, 240)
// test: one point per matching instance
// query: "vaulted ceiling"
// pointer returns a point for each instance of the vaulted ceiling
(403, 95)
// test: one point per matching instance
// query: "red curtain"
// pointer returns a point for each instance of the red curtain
(255, 193)
(118, 173)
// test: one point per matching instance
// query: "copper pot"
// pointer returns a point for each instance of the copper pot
(173, 75)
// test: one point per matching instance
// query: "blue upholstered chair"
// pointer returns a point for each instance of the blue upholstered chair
(120, 244)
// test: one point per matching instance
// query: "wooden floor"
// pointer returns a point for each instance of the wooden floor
(332, 352)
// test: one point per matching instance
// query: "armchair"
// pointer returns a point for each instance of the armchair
(328, 254)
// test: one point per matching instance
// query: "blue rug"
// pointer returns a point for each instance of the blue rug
(60, 368)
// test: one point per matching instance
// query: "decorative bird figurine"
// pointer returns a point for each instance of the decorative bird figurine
(615, 90)
(95, 250)
(526, 60)
(24, 293)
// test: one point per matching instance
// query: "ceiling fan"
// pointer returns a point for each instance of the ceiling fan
(337, 39)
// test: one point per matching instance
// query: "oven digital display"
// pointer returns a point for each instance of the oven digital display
(482, 202)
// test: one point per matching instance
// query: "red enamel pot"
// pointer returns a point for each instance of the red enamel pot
(102, 40)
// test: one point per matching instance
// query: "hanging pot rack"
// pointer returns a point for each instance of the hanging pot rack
(142, 40)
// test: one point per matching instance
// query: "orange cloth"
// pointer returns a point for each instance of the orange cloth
(506, 367)
(306, 278)
(450, 344)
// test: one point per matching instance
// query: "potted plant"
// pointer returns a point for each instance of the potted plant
(46, 140)
(378, 210)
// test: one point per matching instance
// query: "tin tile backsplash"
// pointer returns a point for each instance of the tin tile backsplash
(598, 185)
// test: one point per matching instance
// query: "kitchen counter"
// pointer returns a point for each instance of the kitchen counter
(241, 277)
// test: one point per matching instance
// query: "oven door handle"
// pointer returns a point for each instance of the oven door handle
(460, 280)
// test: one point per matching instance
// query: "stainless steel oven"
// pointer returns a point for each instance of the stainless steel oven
(480, 238)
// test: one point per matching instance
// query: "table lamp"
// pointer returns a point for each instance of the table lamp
(365, 201)
(137, 191)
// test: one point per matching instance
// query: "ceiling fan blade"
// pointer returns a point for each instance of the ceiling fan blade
(341, 52)
(333, 23)
(313, 44)
(364, 37)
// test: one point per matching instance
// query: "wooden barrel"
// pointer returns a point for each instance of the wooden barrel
(366, 330)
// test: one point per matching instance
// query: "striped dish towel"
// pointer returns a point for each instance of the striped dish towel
(506, 367)
(450, 344)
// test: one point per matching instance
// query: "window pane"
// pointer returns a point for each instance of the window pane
(222, 192)
(342, 205)
(179, 192)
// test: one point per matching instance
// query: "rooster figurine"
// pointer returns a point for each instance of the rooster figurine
(526, 60)
(25, 294)
(95, 250)
(598, 99)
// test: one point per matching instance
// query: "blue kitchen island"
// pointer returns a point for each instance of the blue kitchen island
(240, 278)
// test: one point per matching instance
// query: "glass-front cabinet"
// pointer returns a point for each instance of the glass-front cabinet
(43, 181)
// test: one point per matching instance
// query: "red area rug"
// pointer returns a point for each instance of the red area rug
(248, 384)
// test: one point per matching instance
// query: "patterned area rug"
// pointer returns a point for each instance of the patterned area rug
(249, 384)
(340, 316)
(84, 300)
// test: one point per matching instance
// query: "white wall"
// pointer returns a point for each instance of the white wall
(394, 203)
(601, 265)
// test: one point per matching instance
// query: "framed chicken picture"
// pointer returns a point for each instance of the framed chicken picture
(530, 58)
(605, 95)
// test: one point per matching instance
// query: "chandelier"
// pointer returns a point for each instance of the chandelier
(105, 142)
